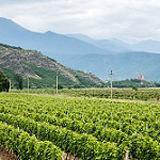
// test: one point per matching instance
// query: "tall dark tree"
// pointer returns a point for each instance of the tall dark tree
(4, 83)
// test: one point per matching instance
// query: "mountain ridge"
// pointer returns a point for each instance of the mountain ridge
(41, 69)
(54, 42)
(95, 56)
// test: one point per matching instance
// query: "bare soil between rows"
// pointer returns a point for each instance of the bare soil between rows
(6, 155)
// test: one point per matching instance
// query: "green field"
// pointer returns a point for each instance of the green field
(45, 127)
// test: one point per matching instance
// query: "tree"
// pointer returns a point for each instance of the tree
(4, 83)
(19, 82)
(134, 88)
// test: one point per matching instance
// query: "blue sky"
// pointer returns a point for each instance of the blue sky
(124, 19)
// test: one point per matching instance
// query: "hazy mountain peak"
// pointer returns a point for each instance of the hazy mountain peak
(6, 20)
(7, 25)
(49, 32)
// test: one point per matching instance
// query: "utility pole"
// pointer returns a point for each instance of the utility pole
(28, 83)
(10, 85)
(57, 83)
(111, 81)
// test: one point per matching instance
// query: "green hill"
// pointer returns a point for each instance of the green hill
(41, 70)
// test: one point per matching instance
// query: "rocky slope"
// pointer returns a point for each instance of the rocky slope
(41, 69)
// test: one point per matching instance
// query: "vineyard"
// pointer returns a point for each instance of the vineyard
(145, 94)
(44, 127)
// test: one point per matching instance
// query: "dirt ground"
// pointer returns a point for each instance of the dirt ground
(69, 157)
(5, 155)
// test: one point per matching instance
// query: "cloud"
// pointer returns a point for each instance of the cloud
(124, 19)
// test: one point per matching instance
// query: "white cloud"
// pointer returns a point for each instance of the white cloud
(125, 19)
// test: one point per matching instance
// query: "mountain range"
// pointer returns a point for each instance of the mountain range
(81, 52)
(119, 46)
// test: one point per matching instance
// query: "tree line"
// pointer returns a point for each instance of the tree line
(5, 83)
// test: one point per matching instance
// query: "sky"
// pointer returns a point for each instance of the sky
(129, 20)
